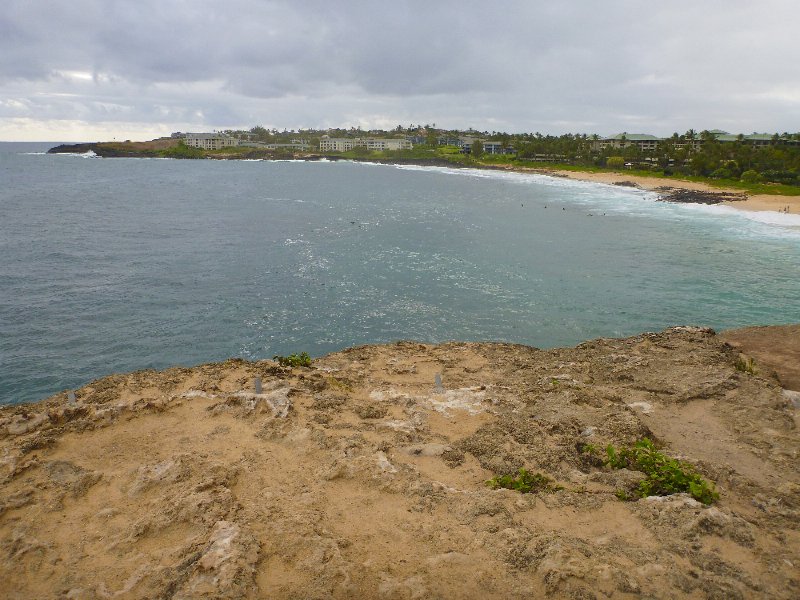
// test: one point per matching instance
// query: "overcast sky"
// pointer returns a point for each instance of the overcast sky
(136, 69)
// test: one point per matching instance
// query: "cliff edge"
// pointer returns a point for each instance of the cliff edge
(364, 476)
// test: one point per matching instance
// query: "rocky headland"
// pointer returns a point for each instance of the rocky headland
(364, 475)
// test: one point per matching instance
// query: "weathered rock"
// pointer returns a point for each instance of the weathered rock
(361, 478)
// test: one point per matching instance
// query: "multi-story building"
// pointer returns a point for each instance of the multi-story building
(644, 141)
(329, 144)
(496, 147)
(387, 144)
(209, 141)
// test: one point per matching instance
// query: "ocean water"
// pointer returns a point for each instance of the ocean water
(113, 265)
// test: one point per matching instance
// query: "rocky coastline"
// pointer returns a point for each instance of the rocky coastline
(364, 475)
(684, 196)
(688, 196)
(104, 150)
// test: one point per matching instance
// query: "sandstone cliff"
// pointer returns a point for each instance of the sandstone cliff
(361, 478)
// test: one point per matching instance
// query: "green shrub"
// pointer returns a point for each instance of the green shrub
(722, 173)
(665, 475)
(615, 162)
(525, 482)
(785, 177)
(182, 151)
(751, 176)
(294, 360)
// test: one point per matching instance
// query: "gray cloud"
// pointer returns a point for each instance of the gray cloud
(152, 66)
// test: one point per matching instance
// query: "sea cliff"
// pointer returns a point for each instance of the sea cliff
(364, 475)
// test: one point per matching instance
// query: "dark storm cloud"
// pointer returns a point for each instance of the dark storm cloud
(580, 65)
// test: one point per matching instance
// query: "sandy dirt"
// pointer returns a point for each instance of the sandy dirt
(758, 202)
(360, 478)
(774, 350)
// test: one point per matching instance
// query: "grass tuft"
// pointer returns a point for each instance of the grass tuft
(745, 365)
(525, 482)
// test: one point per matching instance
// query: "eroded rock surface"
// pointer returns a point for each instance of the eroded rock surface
(362, 478)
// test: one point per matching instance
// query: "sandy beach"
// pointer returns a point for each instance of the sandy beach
(759, 202)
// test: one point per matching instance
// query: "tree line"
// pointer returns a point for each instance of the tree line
(689, 153)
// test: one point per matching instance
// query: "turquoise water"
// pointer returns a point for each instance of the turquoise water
(112, 265)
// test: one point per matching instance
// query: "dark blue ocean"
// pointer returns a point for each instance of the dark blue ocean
(113, 265)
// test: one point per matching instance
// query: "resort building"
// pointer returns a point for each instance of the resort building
(329, 144)
(209, 141)
(649, 143)
(496, 147)
(644, 141)
(299, 145)
(387, 144)
(756, 139)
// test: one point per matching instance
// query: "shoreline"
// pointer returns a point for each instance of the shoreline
(671, 190)
(754, 203)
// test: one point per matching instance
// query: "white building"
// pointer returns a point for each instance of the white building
(387, 144)
(329, 144)
(209, 141)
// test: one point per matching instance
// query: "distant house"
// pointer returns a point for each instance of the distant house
(209, 141)
(329, 144)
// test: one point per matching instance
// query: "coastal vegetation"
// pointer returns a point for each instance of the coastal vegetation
(664, 475)
(181, 151)
(524, 482)
(712, 156)
(293, 360)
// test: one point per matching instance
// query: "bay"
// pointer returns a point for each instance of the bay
(113, 265)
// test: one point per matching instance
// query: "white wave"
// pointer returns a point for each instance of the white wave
(87, 154)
